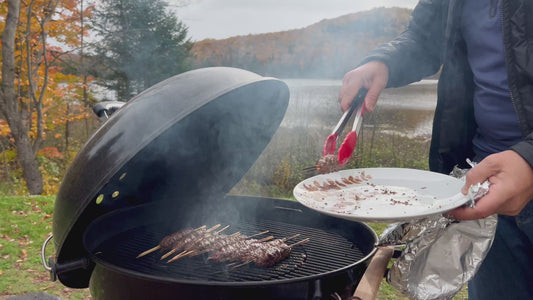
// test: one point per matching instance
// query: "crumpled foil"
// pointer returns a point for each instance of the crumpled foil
(440, 254)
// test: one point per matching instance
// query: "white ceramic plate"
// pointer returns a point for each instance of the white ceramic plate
(381, 194)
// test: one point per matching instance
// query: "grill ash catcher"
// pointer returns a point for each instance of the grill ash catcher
(165, 161)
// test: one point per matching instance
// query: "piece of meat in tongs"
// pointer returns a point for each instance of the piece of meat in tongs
(329, 162)
(326, 164)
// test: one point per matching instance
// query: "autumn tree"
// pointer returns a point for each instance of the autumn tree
(32, 86)
(140, 43)
(9, 104)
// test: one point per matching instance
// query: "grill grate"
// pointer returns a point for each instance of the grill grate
(325, 252)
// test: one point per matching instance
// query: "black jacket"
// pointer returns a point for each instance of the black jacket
(433, 41)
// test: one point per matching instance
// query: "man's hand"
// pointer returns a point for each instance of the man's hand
(373, 76)
(511, 188)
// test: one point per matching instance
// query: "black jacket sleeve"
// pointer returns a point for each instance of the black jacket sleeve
(417, 52)
(525, 149)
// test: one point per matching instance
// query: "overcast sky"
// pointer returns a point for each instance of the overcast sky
(220, 19)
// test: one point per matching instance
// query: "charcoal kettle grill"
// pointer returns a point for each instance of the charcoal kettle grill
(166, 161)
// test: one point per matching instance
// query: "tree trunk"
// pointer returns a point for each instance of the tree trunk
(9, 103)
(26, 157)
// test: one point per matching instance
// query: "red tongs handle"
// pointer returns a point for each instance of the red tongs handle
(331, 142)
(350, 141)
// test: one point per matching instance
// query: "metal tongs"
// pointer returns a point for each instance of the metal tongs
(350, 141)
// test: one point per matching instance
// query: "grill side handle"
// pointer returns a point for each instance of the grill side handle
(368, 287)
(55, 268)
(43, 253)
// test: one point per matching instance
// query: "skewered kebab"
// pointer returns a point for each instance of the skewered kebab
(167, 242)
(200, 244)
(196, 239)
(191, 239)
(225, 242)
(216, 242)
(230, 248)
(241, 251)
(221, 240)
(269, 253)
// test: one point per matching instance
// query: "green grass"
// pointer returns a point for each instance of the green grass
(25, 222)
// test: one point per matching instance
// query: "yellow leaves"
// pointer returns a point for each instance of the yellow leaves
(10, 155)
(4, 128)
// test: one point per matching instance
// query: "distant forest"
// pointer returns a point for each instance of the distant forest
(327, 49)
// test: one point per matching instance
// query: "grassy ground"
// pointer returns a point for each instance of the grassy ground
(25, 222)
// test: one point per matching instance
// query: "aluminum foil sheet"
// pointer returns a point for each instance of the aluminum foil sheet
(440, 255)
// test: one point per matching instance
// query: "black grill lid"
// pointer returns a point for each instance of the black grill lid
(196, 133)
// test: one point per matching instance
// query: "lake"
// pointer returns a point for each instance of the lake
(408, 110)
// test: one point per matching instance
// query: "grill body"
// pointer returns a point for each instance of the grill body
(332, 261)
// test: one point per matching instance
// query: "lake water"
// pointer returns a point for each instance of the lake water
(408, 110)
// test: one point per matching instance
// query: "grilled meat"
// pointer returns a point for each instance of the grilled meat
(264, 254)
(225, 248)
(233, 252)
(168, 241)
(328, 164)
(268, 254)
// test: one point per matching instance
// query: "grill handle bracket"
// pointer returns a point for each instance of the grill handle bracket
(55, 268)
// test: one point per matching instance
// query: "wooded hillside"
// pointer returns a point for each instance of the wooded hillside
(327, 49)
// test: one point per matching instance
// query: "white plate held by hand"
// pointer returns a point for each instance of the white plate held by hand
(381, 194)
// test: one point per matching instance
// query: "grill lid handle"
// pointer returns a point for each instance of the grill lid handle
(104, 109)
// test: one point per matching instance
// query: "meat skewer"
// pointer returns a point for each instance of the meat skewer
(236, 252)
(200, 243)
(191, 239)
(268, 254)
(241, 240)
(223, 241)
(167, 241)
(234, 248)
(232, 252)
(217, 243)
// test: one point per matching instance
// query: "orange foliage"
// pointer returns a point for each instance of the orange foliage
(48, 98)
(50, 153)
(41, 84)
